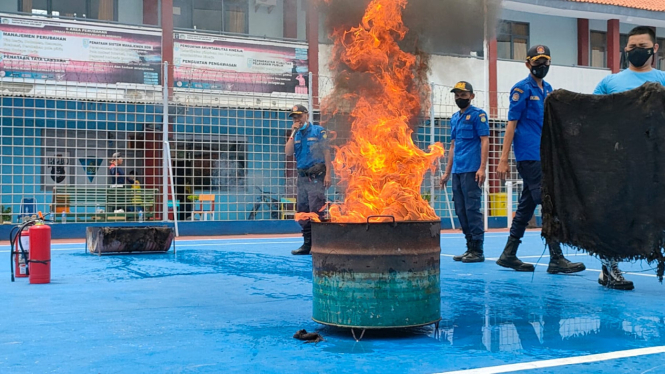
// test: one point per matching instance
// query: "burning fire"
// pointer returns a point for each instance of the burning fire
(380, 166)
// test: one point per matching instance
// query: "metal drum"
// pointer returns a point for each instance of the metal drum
(376, 275)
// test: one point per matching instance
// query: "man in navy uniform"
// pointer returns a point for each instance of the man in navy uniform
(308, 142)
(523, 131)
(467, 160)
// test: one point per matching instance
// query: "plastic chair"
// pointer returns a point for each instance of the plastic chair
(204, 213)
(28, 208)
(287, 208)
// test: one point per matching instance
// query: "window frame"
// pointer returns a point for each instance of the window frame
(512, 36)
(88, 8)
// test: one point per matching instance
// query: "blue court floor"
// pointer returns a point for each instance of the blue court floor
(233, 305)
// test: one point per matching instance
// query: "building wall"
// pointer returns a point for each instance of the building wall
(130, 12)
(558, 33)
(444, 70)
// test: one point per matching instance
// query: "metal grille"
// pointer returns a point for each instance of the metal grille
(226, 150)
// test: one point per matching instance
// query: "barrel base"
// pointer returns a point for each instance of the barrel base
(376, 327)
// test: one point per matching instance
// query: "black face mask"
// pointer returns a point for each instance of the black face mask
(462, 103)
(540, 71)
(638, 57)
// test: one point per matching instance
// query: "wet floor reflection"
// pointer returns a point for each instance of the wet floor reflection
(493, 318)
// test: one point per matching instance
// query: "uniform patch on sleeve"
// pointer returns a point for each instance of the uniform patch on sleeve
(516, 96)
(483, 118)
(518, 90)
(324, 135)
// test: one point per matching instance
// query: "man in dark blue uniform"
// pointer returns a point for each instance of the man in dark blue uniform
(524, 130)
(467, 160)
(308, 142)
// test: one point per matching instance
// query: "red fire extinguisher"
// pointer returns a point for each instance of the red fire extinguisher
(39, 264)
(21, 253)
(31, 254)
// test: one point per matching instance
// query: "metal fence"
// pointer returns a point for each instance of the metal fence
(96, 152)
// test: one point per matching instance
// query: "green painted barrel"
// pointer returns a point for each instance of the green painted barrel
(376, 275)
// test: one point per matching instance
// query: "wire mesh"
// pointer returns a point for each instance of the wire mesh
(227, 149)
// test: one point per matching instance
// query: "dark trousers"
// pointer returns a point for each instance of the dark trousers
(311, 199)
(532, 176)
(466, 195)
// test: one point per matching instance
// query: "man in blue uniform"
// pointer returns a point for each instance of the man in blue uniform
(640, 53)
(524, 129)
(467, 160)
(308, 142)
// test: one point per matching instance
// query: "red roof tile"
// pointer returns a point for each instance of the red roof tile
(652, 5)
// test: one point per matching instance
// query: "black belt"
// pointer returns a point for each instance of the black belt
(308, 173)
(302, 173)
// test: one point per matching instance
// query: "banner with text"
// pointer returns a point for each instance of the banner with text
(220, 63)
(72, 51)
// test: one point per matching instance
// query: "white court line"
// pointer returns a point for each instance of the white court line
(562, 361)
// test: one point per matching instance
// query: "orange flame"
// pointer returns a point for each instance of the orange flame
(307, 217)
(380, 165)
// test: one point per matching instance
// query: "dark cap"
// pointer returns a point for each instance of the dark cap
(298, 109)
(538, 51)
(462, 86)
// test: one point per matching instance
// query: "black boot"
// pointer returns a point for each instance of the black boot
(305, 248)
(459, 257)
(559, 264)
(611, 277)
(476, 253)
(509, 258)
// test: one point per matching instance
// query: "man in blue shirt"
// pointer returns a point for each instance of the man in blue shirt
(115, 171)
(524, 130)
(467, 160)
(308, 142)
(640, 54)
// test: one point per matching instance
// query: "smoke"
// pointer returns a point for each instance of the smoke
(435, 27)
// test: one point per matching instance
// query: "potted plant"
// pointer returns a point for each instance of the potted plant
(6, 214)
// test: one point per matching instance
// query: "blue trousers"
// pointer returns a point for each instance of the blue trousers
(311, 199)
(466, 195)
(532, 176)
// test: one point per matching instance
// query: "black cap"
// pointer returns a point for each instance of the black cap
(462, 86)
(538, 51)
(298, 109)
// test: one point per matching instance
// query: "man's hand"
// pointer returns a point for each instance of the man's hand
(327, 181)
(480, 176)
(444, 179)
(502, 170)
(296, 126)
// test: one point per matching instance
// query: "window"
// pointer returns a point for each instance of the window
(512, 40)
(598, 43)
(95, 9)
(212, 15)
